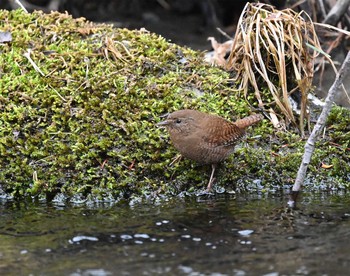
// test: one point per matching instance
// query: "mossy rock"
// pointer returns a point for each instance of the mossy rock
(83, 122)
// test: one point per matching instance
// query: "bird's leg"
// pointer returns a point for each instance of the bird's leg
(212, 179)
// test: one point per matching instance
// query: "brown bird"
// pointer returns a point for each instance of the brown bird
(205, 138)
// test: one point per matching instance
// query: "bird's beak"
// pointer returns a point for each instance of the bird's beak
(163, 123)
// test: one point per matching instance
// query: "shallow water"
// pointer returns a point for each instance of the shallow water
(225, 235)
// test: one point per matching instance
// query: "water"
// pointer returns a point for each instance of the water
(225, 235)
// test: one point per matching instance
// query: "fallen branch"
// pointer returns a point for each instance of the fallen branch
(310, 144)
(337, 12)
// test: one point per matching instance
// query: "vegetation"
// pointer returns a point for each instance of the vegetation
(275, 50)
(83, 122)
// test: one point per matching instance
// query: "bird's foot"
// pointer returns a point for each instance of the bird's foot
(205, 192)
(208, 190)
(210, 184)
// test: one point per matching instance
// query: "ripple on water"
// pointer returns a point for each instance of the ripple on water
(239, 235)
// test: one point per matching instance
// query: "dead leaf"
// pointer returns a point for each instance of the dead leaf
(220, 51)
(325, 166)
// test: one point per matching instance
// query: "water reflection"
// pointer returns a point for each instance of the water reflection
(226, 235)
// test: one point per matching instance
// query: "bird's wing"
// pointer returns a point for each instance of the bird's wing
(222, 133)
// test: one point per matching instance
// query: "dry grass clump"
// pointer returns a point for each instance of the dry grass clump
(275, 50)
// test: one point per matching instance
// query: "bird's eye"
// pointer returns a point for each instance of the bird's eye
(178, 121)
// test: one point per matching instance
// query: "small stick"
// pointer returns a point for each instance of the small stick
(20, 4)
(27, 55)
(321, 122)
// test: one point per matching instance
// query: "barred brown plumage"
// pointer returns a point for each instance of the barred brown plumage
(205, 138)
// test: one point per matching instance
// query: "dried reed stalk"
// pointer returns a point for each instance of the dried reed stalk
(271, 52)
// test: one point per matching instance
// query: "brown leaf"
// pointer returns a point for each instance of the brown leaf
(325, 166)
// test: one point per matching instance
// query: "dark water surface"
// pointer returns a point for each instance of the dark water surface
(225, 235)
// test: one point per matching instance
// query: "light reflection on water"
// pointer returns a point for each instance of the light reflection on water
(226, 235)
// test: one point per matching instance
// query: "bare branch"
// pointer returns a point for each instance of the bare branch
(337, 12)
(310, 144)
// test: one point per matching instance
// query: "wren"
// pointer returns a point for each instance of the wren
(205, 138)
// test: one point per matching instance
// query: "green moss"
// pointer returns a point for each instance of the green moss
(88, 126)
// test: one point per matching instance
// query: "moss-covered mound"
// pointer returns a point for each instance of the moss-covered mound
(79, 103)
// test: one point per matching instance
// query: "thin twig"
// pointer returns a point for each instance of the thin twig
(322, 8)
(58, 94)
(333, 28)
(321, 122)
(20, 4)
(27, 55)
(224, 34)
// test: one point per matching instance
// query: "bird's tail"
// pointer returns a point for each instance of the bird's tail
(248, 121)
